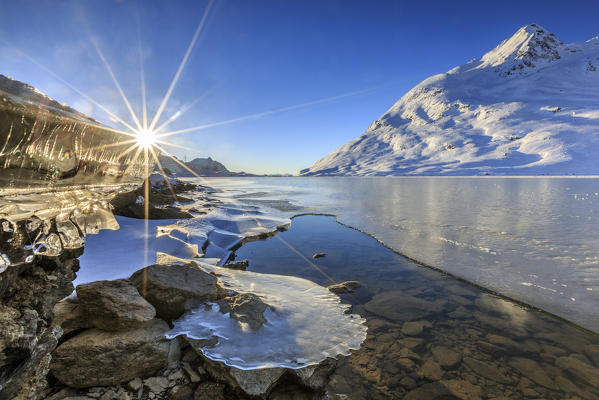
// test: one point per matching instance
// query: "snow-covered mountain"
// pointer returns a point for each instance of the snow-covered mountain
(529, 106)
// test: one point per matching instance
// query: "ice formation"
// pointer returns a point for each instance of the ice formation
(306, 323)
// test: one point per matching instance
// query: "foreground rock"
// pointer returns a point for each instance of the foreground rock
(173, 289)
(101, 358)
(260, 382)
(344, 287)
(70, 317)
(114, 305)
(246, 308)
(28, 294)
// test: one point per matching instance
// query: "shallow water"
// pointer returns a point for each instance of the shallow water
(532, 239)
(429, 334)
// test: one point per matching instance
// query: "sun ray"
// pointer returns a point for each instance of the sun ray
(103, 146)
(181, 67)
(144, 107)
(127, 151)
(178, 162)
(176, 145)
(184, 109)
(146, 206)
(168, 183)
(116, 83)
(270, 112)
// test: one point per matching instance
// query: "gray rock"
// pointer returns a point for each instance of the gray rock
(245, 307)
(156, 384)
(446, 357)
(172, 289)
(101, 358)
(257, 382)
(345, 287)
(180, 392)
(315, 377)
(135, 384)
(210, 391)
(70, 317)
(114, 305)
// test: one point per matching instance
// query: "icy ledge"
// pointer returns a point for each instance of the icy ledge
(306, 323)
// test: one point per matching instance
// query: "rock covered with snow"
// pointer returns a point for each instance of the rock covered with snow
(528, 106)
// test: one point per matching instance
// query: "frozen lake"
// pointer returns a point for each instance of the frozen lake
(532, 239)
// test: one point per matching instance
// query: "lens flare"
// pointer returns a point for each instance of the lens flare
(145, 138)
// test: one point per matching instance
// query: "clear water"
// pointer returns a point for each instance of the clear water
(430, 335)
(532, 239)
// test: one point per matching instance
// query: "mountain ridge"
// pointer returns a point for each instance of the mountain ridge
(529, 106)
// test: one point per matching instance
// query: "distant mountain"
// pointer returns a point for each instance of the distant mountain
(201, 166)
(529, 106)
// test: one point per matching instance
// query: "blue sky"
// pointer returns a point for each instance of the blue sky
(257, 56)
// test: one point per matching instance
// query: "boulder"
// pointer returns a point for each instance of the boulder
(315, 377)
(173, 289)
(245, 307)
(344, 287)
(255, 382)
(101, 358)
(70, 317)
(114, 305)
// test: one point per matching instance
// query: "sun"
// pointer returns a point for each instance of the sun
(145, 138)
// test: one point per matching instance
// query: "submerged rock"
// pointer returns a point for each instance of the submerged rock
(101, 358)
(344, 287)
(114, 305)
(245, 307)
(399, 306)
(173, 289)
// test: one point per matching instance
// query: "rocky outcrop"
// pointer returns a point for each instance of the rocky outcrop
(114, 305)
(28, 293)
(172, 289)
(101, 358)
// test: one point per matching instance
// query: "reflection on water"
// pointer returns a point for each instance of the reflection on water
(532, 239)
(431, 336)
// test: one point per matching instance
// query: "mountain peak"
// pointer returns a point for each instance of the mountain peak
(530, 45)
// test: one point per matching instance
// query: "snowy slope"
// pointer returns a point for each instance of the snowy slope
(529, 106)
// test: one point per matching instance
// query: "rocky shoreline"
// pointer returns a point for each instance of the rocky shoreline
(114, 344)
(106, 340)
